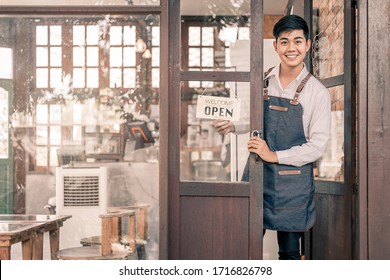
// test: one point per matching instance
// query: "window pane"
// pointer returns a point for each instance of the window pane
(328, 43)
(129, 35)
(42, 135)
(55, 77)
(116, 57)
(55, 56)
(55, 135)
(115, 78)
(53, 156)
(55, 35)
(194, 36)
(128, 56)
(41, 156)
(41, 35)
(92, 35)
(116, 35)
(331, 165)
(205, 154)
(42, 78)
(156, 36)
(78, 56)
(78, 66)
(77, 113)
(129, 78)
(92, 78)
(55, 114)
(78, 35)
(78, 78)
(207, 57)
(155, 77)
(155, 57)
(42, 57)
(41, 114)
(208, 84)
(207, 36)
(194, 57)
(194, 84)
(92, 56)
(77, 133)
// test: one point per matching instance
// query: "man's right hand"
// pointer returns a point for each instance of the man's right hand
(224, 127)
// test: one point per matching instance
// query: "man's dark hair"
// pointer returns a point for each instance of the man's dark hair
(289, 23)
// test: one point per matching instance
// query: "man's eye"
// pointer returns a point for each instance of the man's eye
(283, 43)
(298, 42)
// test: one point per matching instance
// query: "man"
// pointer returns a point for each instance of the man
(296, 131)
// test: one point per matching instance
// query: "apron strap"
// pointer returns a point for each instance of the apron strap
(265, 83)
(294, 101)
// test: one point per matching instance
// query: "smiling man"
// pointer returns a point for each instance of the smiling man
(296, 132)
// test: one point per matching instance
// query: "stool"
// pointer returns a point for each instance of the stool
(115, 242)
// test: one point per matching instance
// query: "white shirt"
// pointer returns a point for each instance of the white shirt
(315, 101)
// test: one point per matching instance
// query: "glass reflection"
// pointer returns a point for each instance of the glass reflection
(205, 154)
(331, 165)
(328, 41)
(79, 2)
(209, 30)
(86, 98)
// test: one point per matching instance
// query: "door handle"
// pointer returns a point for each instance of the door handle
(257, 133)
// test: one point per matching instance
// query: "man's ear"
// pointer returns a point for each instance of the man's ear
(308, 44)
(274, 43)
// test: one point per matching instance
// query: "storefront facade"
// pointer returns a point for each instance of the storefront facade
(115, 85)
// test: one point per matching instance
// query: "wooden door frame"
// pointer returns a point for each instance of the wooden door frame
(361, 242)
(373, 122)
(348, 188)
(170, 154)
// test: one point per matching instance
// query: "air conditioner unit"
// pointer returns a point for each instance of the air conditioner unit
(82, 193)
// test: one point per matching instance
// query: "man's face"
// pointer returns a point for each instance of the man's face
(292, 47)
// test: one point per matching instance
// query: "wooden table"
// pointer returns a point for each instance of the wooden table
(29, 229)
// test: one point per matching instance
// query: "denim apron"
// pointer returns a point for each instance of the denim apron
(288, 190)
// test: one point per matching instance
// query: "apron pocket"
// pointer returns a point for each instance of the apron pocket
(292, 186)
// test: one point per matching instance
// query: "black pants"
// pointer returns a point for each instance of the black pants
(289, 246)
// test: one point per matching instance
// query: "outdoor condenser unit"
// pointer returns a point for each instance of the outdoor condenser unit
(82, 193)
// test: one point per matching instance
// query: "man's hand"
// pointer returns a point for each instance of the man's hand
(224, 127)
(259, 146)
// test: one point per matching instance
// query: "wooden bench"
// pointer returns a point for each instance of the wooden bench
(117, 242)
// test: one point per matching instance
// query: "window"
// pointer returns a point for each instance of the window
(200, 51)
(90, 59)
(122, 57)
(85, 56)
(48, 56)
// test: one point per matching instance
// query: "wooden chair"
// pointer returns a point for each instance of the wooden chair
(116, 243)
(141, 214)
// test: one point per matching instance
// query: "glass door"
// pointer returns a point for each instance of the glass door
(213, 58)
(332, 61)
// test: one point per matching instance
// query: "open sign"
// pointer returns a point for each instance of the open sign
(222, 108)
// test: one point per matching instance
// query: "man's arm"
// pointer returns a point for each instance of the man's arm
(317, 138)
